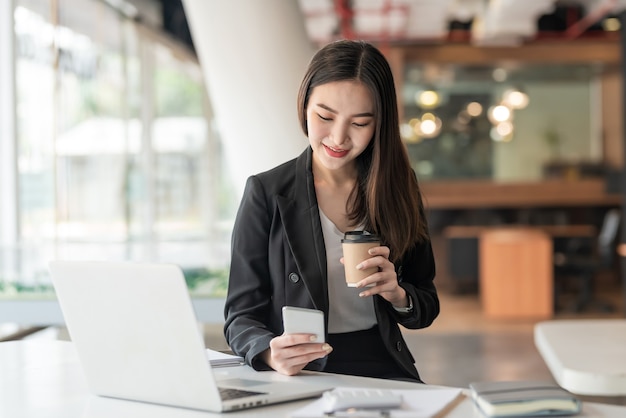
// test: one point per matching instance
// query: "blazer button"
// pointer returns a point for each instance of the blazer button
(294, 277)
(398, 346)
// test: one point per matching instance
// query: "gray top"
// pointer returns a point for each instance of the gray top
(347, 311)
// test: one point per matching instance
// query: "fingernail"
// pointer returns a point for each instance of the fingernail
(362, 294)
(359, 266)
(371, 251)
(327, 348)
(313, 337)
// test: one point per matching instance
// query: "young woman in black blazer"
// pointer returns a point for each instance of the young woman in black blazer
(286, 245)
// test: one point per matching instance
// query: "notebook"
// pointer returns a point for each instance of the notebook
(137, 338)
(527, 398)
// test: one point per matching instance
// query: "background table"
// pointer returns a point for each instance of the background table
(587, 356)
(516, 273)
(512, 262)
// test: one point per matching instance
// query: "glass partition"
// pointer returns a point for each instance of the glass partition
(505, 123)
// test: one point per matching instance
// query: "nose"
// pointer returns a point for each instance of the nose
(339, 133)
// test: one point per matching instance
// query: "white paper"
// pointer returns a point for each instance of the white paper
(219, 359)
(416, 403)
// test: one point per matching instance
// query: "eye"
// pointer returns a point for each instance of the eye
(361, 125)
(323, 118)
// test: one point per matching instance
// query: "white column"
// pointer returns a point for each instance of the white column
(253, 55)
(9, 210)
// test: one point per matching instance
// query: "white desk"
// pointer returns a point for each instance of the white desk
(586, 357)
(42, 378)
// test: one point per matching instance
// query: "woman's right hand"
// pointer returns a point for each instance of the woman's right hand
(290, 353)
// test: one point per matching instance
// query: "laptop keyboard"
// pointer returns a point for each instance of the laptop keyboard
(228, 393)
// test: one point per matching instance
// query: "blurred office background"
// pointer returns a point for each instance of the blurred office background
(116, 143)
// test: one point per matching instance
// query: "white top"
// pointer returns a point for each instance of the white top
(347, 311)
(586, 356)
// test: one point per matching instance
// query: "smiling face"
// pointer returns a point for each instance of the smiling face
(340, 123)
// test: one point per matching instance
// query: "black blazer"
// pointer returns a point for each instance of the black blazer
(279, 258)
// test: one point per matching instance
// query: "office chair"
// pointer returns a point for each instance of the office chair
(585, 262)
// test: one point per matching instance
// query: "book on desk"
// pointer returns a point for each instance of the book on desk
(523, 398)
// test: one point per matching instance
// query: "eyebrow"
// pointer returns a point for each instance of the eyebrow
(358, 115)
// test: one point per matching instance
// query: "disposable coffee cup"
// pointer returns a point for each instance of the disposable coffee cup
(355, 246)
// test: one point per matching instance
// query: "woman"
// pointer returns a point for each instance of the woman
(286, 246)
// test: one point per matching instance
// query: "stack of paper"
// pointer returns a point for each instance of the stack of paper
(426, 402)
(219, 359)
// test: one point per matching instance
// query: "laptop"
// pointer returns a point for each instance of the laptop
(137, 338)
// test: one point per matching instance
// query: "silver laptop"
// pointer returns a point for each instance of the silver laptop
(137, 338)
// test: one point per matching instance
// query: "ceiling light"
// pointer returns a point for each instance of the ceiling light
(499, 113)
(504, 129)
(515, 98)
(611, 24)
(427, 99)
(474, 109)
(407, 133)
(498, 137)
(499, 75)
(413, 122)
(429, 126)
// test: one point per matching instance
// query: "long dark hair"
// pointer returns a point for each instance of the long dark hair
(386, 197)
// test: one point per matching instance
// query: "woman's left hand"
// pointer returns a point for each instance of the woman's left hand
(385, 281)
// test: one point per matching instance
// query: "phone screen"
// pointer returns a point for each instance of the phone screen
(304, 321)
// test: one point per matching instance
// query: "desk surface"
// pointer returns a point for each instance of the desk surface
(587, 357)
(42, 378)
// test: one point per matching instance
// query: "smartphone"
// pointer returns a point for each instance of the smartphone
(304, 321)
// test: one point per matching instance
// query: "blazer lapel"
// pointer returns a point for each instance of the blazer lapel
(301, 222)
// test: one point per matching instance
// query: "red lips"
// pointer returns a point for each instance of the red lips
(335, 153)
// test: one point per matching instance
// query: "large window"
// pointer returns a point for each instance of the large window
(117, 154)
